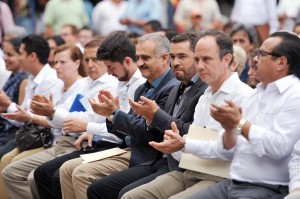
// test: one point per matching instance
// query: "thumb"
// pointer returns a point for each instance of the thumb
(145, 99)
(174, 128)
(20, 108)
(92, 101)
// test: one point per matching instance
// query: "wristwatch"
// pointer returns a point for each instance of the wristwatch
(239, 127)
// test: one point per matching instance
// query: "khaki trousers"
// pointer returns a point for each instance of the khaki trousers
(182, 185)
(18, 175)
(75, 177)
(9, 157)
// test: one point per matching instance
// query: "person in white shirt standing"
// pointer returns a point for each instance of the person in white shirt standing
(261, 134)
(106, 16)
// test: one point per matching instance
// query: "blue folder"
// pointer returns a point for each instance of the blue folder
(76, 105)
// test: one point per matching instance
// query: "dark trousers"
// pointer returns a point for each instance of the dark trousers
(229, 189)
(115, 185)
(46, 176)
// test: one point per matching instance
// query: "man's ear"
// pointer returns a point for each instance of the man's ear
(282, 63)
(228, 58)
(165, 57)
(127, 61)
(32, 56)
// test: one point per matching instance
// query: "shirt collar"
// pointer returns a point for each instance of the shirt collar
(158, 80)
(137, 75)
(103, 79)
(281, 84)
(227, 86)
(41, 75)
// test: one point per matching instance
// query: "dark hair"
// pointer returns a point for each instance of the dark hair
(94, 43)
(223, 41)
(15, 42)
(289, 47)
(38, 45)
(116, 47)
(169, 33)
(75, 54)
(188, 36)
(94, 32)
(155, 24)
(57, 39)
(249, 30)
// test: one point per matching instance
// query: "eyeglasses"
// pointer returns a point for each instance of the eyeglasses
(261, 53)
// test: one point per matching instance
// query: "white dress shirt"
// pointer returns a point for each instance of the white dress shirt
(273, 113)
(232, 89)
(45, 83)
(96, 123)
(106, 17)
(256, 12)
(63, 103)
(294, 168)
(4, 74)
(127, 89)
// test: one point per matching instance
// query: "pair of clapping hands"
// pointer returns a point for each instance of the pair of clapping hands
(108, 104)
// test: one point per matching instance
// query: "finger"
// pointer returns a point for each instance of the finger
(21, 109)
(106, 100)
(77, 143)
(230, 103)
(146, 100)
(241, 110)
(216, 107)
(51, 98)
(45, 99)
(92, 101)
(9, 116)
(158, 146)
(133, 104)
(90, 140)
(108, 94)
(174, 128)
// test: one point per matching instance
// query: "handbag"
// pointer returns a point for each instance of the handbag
(32, 136)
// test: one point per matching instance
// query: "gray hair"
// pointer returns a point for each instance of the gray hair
(162, 44)
(16, 31)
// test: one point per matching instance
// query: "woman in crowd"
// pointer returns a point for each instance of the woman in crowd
(68, 65)
(53, 42)
(14, 88)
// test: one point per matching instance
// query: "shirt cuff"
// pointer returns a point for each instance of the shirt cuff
(12, 107)
(177, 155)
(58, 118)
(96, 128)
(293, 185)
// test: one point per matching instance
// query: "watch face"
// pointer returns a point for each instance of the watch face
(238, 131)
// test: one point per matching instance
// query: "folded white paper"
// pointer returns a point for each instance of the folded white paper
(91, 157)
(194, 163)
